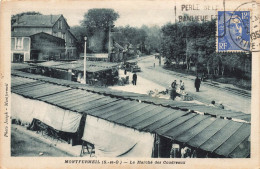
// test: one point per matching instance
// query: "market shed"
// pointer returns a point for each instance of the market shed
(178, 105)
(122, 127)
(19, 66)
(98, 73)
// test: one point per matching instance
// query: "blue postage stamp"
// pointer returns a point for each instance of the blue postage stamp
(233, 31)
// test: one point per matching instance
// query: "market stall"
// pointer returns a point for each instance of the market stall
(117, 126)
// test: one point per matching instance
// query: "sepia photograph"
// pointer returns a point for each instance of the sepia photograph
(147, 80)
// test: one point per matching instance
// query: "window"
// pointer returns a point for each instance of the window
(59, 34)
(19, 43)
(60, 24)
(55, 34)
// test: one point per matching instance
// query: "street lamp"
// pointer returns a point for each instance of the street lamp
(85, 59)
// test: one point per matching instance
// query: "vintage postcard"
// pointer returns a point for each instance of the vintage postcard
(130, 84)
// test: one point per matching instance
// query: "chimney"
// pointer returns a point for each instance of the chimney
(17, 20)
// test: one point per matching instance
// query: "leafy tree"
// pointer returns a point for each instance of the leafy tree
(96, 20)
(153, 39)
(192, 42)
(134, 36)
(173, 46)
(80, 32)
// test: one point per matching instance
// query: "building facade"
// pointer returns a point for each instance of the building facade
(54, 25)
(39, 46)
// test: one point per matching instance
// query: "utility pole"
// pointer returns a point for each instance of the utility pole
(109, 45)
(85, 60)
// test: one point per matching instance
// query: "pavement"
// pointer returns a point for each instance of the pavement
(157, 77)
(29, 143)
(143, 85)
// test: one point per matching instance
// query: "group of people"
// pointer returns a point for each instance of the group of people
(134, 78)
(177, 89)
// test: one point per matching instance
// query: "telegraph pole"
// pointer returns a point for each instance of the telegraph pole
(109, 45)
(85, 59)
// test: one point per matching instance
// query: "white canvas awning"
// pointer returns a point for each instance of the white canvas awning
(60, 119)
(112, 140)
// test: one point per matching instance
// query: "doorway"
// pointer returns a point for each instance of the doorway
(18, 57)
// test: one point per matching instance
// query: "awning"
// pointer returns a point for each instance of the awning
(113, 140)
(60, 119)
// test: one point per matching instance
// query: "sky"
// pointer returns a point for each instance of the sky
(134, 13)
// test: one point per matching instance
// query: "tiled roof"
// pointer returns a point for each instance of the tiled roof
(36, 21)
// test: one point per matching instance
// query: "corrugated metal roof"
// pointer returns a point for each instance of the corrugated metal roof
(185, 126)
(233, 142)
(208, 132)
(196, 129)
(216, 135)
(17, 66)
(243, 150)
(144, 98)
(49, 63)
(91, 66)
(95, 55)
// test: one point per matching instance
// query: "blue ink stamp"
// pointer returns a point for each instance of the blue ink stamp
(233, 31)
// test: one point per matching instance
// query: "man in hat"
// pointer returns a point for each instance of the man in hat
(197, 84)
(134, 78)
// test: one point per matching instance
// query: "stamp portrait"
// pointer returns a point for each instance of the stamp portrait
(233, 31)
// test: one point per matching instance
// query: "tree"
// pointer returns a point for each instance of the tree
(96, 20)
(80, 32)
(153, 39)
(135, 36)
(173, 45)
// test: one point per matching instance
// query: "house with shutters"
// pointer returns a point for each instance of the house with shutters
(48, 27)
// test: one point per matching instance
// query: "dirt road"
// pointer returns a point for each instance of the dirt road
(207, 93)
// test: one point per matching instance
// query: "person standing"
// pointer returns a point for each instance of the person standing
(134, 78)
(174, 84)
(173, 92)
(197, 84)
(182, 88)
